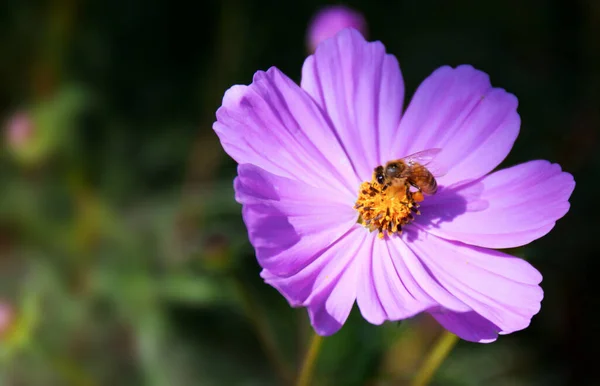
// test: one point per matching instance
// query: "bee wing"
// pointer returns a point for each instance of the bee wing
(427, 159)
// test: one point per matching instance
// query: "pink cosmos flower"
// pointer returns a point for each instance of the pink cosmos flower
(19, 130)
(304, 151)
(6, 317)
(331, 20)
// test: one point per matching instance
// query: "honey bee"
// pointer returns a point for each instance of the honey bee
(411, 169)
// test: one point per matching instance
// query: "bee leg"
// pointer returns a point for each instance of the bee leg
(418, 196)
(414, 185)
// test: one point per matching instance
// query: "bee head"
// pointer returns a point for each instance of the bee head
(379, 177)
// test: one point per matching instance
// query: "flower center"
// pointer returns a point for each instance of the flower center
(387, 206)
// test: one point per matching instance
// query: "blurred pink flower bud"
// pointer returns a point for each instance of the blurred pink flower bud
(18, 130)
(6, 317)
(331, 20)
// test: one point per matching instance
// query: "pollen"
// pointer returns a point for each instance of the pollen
(386, 208)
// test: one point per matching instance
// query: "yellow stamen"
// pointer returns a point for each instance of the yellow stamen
(386, 208)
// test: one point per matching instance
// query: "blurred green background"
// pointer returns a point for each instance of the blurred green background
(123, 256)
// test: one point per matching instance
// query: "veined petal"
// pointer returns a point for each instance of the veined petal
(387, 289)
(417, 276)
(361, 89)
(506, 209)
(369, 303)
(457, 110)
(276, 125)
(500, 288)
(289, 222)
(467, 325)
(327, 284)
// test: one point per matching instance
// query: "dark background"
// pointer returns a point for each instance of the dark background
(123, 257)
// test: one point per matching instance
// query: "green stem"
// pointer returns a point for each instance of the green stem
(434, 359)
(66, 368)
(261, 326)
(310, 360)
(48, 68)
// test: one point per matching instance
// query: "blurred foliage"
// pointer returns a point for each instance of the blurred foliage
(122, 251)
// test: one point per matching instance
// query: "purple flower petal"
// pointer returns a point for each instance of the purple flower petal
(387, 290)
(417, 276)
(276, 125)
(326, 285)
(467, 325)
(456, 109)
(370, 305)
(289, 222)
(500, 288)
(361, 89)
(516, 206)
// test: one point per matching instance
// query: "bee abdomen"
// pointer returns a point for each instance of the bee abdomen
(430, 186)
(422, 179)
